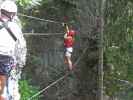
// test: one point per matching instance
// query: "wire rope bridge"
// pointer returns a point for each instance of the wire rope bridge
(61, 78)
(40, 34)
(94, 12)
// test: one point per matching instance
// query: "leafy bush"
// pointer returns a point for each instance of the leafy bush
(27, 90)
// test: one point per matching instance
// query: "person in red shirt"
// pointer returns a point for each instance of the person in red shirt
(68, 44)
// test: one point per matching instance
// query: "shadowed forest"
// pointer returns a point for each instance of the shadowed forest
(103, 50)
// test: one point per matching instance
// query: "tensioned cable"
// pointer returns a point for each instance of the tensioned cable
(61, 78)
(42, 34)
(44, 20)
(40, 19)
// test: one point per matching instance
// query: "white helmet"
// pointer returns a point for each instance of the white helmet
(9, 6)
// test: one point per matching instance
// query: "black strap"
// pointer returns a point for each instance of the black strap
(4, 25)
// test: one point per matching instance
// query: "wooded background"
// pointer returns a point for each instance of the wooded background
(45, 62)
(45, 52)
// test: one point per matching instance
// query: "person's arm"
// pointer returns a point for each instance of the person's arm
(65, 36)
(67, 29)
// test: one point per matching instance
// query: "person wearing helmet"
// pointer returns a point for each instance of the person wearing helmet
(68, 44)
(8, 9)
(12, 45)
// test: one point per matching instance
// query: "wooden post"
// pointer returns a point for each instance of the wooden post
(100, 67)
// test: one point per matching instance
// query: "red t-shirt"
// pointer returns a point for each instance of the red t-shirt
(68, 41)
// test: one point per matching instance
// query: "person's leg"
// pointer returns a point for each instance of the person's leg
(68, 60)
(65, 60)
(4, 72)
(3, 79)
(2, 98)
(69, 63)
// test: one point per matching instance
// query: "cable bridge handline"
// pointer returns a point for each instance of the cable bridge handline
(42, 34)
(40, 19)
(45, 20)
(61, 78)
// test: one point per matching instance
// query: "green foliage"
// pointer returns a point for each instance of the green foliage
(130, 95)
(118, 45)
(28, 4)
(54, 10)
(27, 90)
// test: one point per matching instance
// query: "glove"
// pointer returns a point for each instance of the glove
(64, 24)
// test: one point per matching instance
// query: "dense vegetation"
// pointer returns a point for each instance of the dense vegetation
(45, 53)
(118, 56)
(82, 14)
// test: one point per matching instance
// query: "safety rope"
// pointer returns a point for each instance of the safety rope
(61, 78)
(40, 19)
(42, 34)
(45, 20)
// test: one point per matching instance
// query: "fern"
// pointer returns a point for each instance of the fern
(27, 90)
